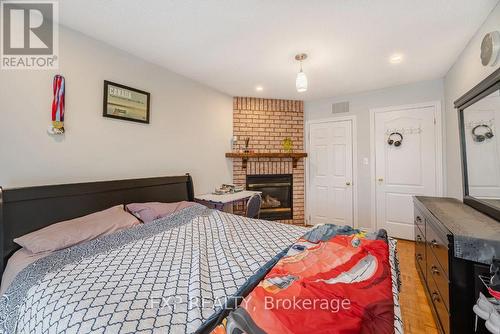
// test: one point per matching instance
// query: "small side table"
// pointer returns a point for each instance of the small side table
(225, 202)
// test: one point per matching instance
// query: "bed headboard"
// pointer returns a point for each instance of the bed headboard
(24, 210)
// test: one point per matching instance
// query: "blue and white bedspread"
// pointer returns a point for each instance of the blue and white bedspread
(167, 276)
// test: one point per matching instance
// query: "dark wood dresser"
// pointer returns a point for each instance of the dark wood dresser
(448, 261)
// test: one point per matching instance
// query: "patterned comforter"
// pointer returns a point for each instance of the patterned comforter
(169, 276)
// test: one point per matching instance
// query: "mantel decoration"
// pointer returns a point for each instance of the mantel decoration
(125, 103)
(247, 142)
(58, 87)
(287, 145)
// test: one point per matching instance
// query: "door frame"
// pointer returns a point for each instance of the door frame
(438, 145)
(354, 181)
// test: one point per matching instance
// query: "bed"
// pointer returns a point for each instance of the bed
(183, 273)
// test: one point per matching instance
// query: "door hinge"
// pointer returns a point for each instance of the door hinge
(434, 120)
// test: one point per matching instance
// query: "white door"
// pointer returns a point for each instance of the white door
(330, 173)
(406, 170)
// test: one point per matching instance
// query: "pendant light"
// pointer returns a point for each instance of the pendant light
(301, 81)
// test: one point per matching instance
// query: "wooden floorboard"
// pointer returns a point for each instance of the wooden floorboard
(415, 309)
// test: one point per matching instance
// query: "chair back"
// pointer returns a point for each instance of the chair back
(253, 206)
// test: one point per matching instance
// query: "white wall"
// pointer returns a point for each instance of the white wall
(465, 73)
(190, 130)
(360, 104)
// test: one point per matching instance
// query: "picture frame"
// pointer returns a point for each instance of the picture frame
(126, 103)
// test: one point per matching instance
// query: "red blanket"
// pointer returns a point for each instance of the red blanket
(332, 280)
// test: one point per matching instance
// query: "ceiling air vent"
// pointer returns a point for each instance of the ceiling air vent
(340, 107)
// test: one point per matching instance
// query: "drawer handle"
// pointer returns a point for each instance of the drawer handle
(435, 297)
(419, 257)
(434, 243)
(419, 238)
(435, 270)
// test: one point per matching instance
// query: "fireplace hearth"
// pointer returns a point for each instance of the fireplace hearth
(277, 195)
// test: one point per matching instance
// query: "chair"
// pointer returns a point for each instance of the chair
(253, 206)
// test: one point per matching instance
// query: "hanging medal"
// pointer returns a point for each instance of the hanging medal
(58, 106)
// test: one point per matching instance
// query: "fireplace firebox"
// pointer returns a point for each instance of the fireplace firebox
(277, 196)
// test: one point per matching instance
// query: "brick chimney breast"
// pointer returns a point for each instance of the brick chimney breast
(267, 122)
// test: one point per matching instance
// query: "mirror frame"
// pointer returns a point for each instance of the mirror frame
(481, 90)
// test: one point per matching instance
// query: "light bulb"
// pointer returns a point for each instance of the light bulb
(301, 82)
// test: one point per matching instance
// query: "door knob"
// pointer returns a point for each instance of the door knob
(348, 183)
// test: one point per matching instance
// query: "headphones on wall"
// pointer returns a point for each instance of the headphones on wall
(397, 142)
(482, 137)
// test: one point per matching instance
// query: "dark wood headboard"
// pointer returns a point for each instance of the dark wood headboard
(24, 210)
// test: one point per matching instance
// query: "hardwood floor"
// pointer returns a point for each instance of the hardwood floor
(416, 312)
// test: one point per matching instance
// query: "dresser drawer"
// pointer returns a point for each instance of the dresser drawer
(419, 219)
(441, 280)
(420, 251)
(437, 303)
(437, 243)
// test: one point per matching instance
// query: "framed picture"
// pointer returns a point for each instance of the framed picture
(125, 103)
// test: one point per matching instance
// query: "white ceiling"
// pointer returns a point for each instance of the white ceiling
(235, 45)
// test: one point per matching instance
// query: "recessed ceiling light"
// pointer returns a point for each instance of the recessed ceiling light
(396, 58)
(259, 88)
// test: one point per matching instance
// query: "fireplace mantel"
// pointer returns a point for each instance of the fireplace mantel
(295, 156)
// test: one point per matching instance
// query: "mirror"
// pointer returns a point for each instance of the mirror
(481, 141)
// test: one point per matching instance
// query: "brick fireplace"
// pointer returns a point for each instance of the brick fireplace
(267, 122)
